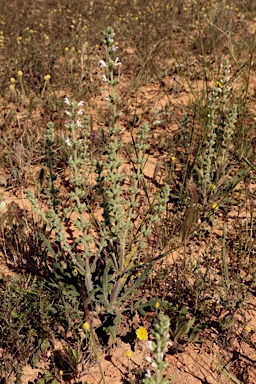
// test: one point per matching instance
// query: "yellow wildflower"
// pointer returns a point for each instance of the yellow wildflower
(157, 305)
(248, 329)
(128, 354)
(142, 333)
(61, 372)
(47, 77)
(20, 73)
(218, 84)
(66, 49)
(11, 87)
(215, 206)
(12, 80)
(86, 326)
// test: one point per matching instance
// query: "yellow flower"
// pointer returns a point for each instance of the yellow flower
(142, 333)
(11, 87)
(157, 304)
(12, 80)
(212, 186)
(173, 158)
(218, 84)
(128, 354)
(66, 49)
(20, 73)
(248, 329)
(215, 206)
(61, 373)
(47, 77)
(86, 326)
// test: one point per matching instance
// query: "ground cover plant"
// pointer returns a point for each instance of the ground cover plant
(127, 191)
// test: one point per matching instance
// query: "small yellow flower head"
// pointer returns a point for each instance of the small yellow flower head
(12, 80)
(157, 305)
(75, 273)
(66, 49)
(128, 354)
(11, 87)
(61, 373)
(47, 77)
(142, 333)
(215, 206)
(20, 38)
(248, 329)
(218, 84)
(254, 118)
(20, 73)
(86, 326)
(173, 158)
(212, 186)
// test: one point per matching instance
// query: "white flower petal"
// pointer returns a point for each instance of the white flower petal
(102, 64)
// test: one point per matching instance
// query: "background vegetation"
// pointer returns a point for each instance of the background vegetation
(137, 201)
